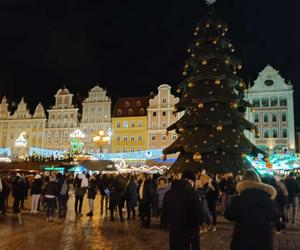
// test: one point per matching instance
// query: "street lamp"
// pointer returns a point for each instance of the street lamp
(101, 139)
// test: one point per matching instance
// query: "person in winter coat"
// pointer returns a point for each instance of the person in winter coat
(103, 184)
(131, 197)
(18, 192)
(50, 193)
(115, 200)
(36, 191)
(80, 185)
(212, 197)
(162, 188)
(293, 190)
(63, 195)
(146, 194)
(253, 211)
(184, 214)
(92, 190)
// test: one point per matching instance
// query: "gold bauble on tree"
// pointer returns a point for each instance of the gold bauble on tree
(207, 25)
(204, 62)
(219, 128)
(190, 84)
(197, 157)
(200, 105)
(178, 91)
(217, 82)
(239, 66)
(234, 105)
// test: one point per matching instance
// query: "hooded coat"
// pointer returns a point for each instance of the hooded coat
(253, 212)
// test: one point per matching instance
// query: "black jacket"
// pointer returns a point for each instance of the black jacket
(92, 189)
(37, 186)
(51, 188)
(18, 188)
(292, 187)
(183, 208)
(148, 192)
(253, 212)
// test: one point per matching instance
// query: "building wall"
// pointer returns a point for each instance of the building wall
(129, 134)
(273, 112)
(160, 115)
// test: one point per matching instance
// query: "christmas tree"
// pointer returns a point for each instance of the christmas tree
(211, 131)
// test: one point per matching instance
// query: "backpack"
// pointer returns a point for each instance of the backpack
(64, 188)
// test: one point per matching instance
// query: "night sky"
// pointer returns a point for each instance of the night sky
(132, 46)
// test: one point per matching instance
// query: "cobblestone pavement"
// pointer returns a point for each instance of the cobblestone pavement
(28, 231)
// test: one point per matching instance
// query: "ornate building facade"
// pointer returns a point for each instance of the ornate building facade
(129, 125)
(160, 115)
(62, 121)
(273, 114)
(96, 115)
(21, 124)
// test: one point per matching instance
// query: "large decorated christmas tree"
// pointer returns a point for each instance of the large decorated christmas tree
(211, 131)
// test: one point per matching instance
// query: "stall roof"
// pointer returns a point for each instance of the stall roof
(102, 165)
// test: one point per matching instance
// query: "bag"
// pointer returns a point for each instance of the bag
(106, 191)
(64, 188)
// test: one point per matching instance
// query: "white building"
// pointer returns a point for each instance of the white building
(273, 114)
(160, 115)
(62, 121)
(21, 122)
(96, 115)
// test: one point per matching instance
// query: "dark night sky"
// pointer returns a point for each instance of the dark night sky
(132, 46)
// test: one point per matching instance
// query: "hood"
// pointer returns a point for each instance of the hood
(244, 185)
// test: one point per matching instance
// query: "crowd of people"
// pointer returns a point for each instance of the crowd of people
(186, 204)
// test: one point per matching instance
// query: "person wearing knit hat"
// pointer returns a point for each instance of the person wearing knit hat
(253, 211)
(183, 213)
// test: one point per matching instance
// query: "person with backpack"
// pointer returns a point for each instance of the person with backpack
(63, 196)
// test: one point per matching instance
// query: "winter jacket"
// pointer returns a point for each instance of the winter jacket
(160, 192)
(182, 208)
(51, 189)
(37, 186)
(18, 188)
(148, 192)
(92, 189)
(292, 187)
(253, 212)
(131, 194)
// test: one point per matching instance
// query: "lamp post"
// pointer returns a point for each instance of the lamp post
(101, 139)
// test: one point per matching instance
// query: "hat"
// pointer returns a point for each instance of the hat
(251, 175)
(19, 175)
(188, 175)
(37, 176)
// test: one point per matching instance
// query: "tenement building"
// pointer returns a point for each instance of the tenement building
(273, 114)
(96, 116)
(129, 125)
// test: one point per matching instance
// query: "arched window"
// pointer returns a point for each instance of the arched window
(126, 104)
(274, 133)
(266, 117)
(138, 103)
(284, 133)
(274, 117)
(256, 117)
(130, 111)
(142, 111)
(266, 133)
(119, 112)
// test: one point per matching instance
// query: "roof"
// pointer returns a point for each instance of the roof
(131, 106)
(63, 91)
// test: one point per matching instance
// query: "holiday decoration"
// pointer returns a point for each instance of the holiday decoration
(211, 131)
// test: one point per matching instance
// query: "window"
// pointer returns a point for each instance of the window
(164, 125)
(125, 124)
(153, 137)
(269, 82)
(274, 133)
(131, 149)
(118, 150)
(154, 125)
(274, 101)
(266, 133)
(130, 111)
(266, 117)
(283, 117)
(118, 137)
(163, 137)
(256, 117)
(126, 104)
(138, 103)
(283, 101)
(140, 124)
(142, 111)
(132, 138)
(274, 118)
(164, 113)
(118, 125)
(154, 113)
(284, 133)
(125, 138)
(124, 149)
(140, 148)
(132, 124)
(174, 136)
(265, 102)
(119, 112)
(164, 100)
(256, 102)
(140, 137)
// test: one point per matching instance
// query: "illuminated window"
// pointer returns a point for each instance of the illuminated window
(118, 150)
(131, 149)
(140, 137)
(132, 124)
(119, 112)
(118, 125)
(132, 138)
(153, 137)
(124, 149)
(164, 125)
(163, 137)
(130, 112)
(164, 100)
(138, 103)
(118, 137)
(142, 111)
(125, 138)
(140, 124)
(174, 136)
(125, 124)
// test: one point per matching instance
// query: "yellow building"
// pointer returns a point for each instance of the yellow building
(129, 125)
